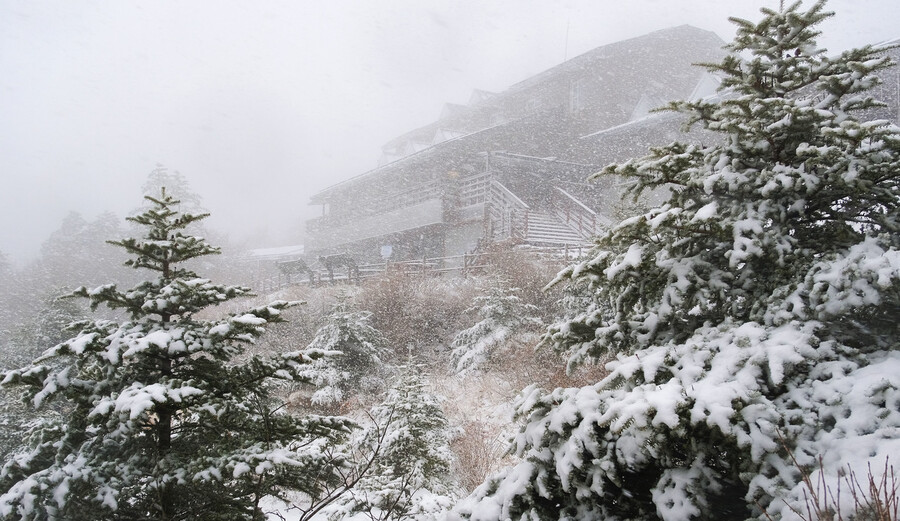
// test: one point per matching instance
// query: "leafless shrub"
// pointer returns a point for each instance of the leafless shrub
(522, 364)
(876, 498)
(479, 450)
(530, 274)
(411, 310)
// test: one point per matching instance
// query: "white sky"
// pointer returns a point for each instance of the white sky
(263, 103)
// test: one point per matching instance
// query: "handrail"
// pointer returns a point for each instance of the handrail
(474, 189)
(508, 213)
(576, 214)
(576, 201)
(507, 195)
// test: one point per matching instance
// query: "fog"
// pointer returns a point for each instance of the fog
(261, 104)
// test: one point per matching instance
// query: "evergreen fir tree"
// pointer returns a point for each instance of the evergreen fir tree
(355, 351)
(751, 318)
(503, 315)
(164, 415)
(179, 187)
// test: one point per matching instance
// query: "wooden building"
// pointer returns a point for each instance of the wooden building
(513, 165)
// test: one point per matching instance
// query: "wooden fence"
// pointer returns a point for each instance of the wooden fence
(457, 265)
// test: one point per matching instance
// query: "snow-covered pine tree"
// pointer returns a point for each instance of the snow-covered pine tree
(750, 317)
(502, 315)
(165, 417)
(357, 351)
(179, 188)
(409, 444)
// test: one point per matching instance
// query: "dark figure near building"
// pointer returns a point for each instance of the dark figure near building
(330, 262)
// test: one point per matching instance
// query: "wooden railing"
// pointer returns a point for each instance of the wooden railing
(575, 214)
(366, 207)
(409, 197)
(508, 213)
(474, 189)
(464, 265)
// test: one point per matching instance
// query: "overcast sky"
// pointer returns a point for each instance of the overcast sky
(263, 103)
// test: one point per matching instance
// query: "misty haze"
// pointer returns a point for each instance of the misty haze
(319, 261)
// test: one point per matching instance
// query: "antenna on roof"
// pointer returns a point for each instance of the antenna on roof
(566, 51)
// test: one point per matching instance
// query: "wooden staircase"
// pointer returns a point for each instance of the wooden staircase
(546, 229)
(565, 221)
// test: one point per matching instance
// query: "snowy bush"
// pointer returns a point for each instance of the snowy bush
(750, 319)
(354, 356)
(502, 315)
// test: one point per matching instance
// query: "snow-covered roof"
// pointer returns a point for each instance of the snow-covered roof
(608, 58)
(611, 51)
(479, 96)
